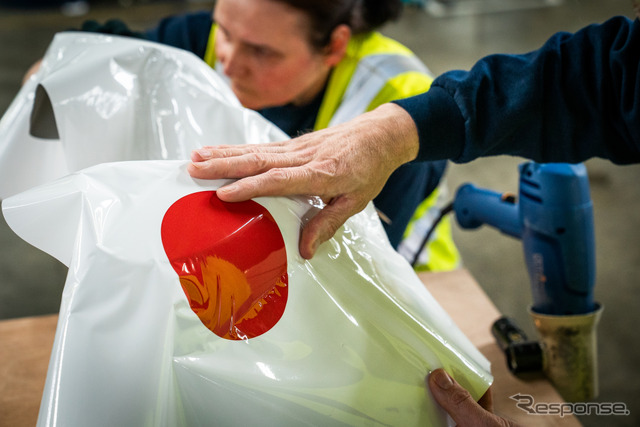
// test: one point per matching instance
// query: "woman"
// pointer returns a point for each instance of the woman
(310, 64)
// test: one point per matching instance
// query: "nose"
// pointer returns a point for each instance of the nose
(231, 59)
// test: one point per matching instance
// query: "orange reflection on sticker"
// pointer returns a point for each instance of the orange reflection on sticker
(231, 261)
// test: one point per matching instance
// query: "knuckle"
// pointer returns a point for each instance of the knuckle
(259, 161)
(330, 166)
(221, 151)
(246, 165)
(281, 174)
(337, 214)
(333, 224)
(222, 167)
(461, 397)
(326, 170)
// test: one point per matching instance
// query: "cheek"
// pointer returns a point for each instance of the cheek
(283, 84)
(274, 80)
(265, 88)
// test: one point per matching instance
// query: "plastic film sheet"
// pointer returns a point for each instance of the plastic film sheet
(98, 99)
(182, 310)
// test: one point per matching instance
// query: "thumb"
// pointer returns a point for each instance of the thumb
(324, 225)
(459, 403)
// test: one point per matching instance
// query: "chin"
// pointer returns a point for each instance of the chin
(254, 103)
(247, 101)
(250, 103)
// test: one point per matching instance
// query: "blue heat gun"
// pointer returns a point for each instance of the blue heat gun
(553, 216)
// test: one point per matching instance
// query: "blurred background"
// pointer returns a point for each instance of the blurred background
(445, 34)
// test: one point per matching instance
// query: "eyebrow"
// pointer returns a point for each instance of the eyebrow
(251, 44)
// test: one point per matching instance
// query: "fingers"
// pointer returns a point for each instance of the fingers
(235, 161)
(220, 151)
(31, 71)
(486, 401)
(454, 399)
(459, 404)
(273, 182)
(227, 167)
(239, 166)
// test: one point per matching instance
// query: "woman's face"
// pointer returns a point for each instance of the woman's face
(263, 48)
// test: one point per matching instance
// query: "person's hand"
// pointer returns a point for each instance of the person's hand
(460, 405)
(31, 71)
(346, 165)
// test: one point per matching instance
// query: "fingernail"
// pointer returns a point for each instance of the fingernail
(442, 379)
(204, 153)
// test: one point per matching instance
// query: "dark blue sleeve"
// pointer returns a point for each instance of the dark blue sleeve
(189, 31)
(575, 98)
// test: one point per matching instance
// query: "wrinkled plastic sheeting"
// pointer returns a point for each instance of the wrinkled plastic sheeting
(181, 310)
(352, 346)
(99, 99)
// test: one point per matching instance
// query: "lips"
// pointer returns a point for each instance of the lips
(231, 262)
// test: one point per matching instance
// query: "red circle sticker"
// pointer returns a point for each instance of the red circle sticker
(231, 261)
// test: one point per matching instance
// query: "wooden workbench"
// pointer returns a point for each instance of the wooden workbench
(25, 347)
(472, 310)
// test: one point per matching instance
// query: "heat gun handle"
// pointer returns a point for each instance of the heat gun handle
(558, 237)
(475, 206)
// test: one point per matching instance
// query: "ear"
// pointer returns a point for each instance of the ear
(337, 47)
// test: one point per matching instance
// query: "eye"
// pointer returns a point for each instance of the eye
(223, 34)
(262, 52)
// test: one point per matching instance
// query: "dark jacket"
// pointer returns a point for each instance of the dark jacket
(576, 97)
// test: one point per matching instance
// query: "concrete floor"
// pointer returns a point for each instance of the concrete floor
(31, 282)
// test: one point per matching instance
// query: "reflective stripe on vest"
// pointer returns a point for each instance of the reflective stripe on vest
(371, 75)
(440, 253)
(210, 52)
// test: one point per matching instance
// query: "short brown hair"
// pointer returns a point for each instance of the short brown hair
(360, 15)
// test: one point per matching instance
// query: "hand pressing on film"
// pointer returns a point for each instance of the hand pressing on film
(459, 404)
(345, 165)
